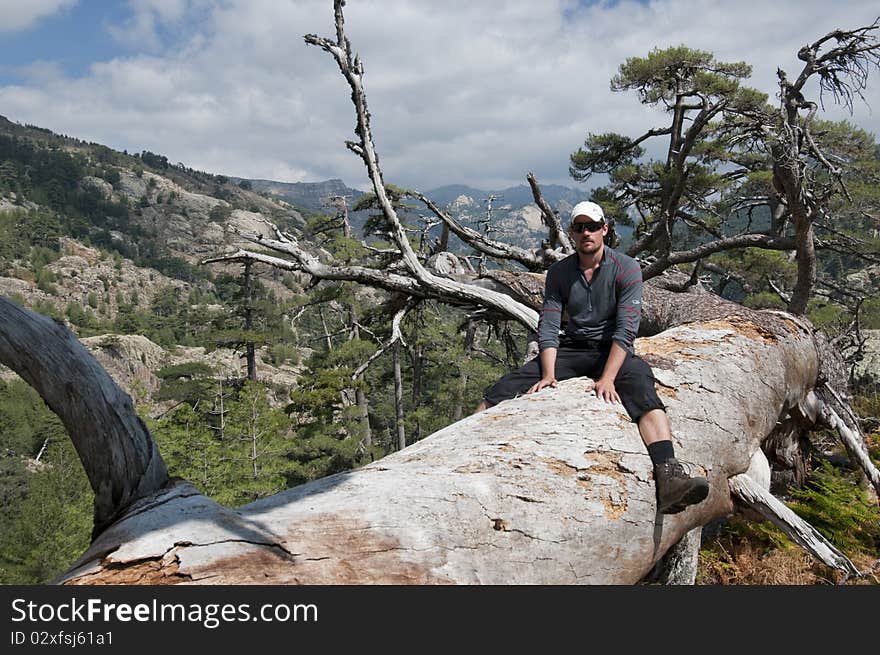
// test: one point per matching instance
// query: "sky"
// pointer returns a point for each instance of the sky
(476, 92)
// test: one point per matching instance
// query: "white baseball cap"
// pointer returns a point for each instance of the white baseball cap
(589, 210)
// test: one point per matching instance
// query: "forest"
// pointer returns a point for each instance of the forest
(394, 314)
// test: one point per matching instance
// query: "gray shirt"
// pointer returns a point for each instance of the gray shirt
(608, 308)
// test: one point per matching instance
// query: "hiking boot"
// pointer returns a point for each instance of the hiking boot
(676, 489)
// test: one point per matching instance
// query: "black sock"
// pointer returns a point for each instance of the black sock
(660, 451)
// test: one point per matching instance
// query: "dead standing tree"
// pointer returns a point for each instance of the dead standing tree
(843, 71)
(513, 495)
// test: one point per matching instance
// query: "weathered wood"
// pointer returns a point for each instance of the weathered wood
(852, 440)
(682, 560)
(119, 456)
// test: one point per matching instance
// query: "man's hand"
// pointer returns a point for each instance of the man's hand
(540, 384)
(605, 390)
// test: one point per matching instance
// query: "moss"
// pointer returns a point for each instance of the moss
(834, 504)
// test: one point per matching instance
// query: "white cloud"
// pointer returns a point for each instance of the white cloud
(18, 15)
(147, 17)
(460, 92)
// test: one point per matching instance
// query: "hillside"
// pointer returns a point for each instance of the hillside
(111, 243)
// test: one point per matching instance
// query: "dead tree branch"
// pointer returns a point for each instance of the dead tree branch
(558, 236)
(115, 447)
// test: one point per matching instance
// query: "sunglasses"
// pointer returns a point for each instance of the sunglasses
(589, 227)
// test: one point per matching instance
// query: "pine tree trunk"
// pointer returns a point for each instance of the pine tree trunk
(470, 331)
(250, 353)
(251, 356)
(364, 407)
(806, 259)
(398, 397)
(418, 362)
(360, 396)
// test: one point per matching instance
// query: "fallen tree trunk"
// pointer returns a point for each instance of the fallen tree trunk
(552, 488)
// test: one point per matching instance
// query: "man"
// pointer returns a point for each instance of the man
(601, 290)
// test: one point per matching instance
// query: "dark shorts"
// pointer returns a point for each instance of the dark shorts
(634, 382)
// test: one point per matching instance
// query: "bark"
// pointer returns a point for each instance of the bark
(528, 491)
(806, 259)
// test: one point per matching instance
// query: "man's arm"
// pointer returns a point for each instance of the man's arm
(629, 313)
(548, 331)
(628, 288)
(604, 386)
(548, 370)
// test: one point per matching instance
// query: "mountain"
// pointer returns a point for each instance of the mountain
(141, 206)
(516, 196)
(312, 195)
(304, 195)
(112, 242)
(515, 217)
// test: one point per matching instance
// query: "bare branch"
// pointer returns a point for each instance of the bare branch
(766, 241)
(851, 436)
(785, 297)
(429, 285)
(117, 452)
(550, 218)
(480, 242)
(396, 335)
(804, 534)
(843, 70)
(691, 219)
(844, 246)
(839, 289)
(726, 276)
